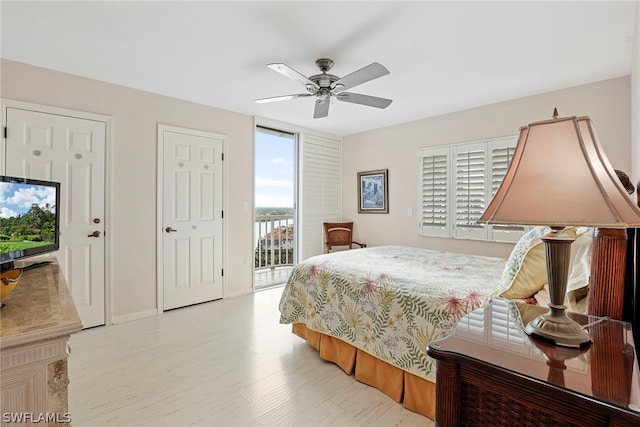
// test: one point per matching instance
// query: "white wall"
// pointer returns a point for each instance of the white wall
(396, 148)
(132, 172)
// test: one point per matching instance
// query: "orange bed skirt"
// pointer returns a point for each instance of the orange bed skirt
(416, 394)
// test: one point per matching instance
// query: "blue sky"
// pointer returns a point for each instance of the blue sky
(274, 170)
(16, 199)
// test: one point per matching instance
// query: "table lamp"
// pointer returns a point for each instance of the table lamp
(559, 176)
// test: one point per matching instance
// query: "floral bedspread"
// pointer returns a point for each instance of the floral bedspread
(389, 301)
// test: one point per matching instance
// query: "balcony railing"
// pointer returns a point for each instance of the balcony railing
(275, 243)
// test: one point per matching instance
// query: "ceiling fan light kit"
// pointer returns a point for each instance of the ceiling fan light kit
(324, 86)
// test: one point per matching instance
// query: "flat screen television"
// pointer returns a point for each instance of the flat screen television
(29, 219)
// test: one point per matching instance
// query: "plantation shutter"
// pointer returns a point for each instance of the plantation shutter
(457, 182)
(472, 326)
(501, 154)
(434, 212)
(321, 190)
(496, 326)
(470, 194)
(504, 332)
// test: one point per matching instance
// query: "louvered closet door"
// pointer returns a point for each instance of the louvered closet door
(321, 189)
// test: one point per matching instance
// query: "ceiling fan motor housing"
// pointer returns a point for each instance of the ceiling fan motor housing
(324, 79)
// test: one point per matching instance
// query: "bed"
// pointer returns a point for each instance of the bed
(373, 310)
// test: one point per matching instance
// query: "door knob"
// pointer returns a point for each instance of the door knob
(170, 230)
(94, 234)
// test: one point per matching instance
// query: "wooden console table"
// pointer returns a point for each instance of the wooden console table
(35, 326)
(491, 373)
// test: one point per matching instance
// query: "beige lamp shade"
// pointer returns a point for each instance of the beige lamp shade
(560, 176)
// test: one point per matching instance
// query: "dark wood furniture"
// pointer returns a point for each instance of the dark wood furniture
(606, 282)
(490, 373)
(339, 234)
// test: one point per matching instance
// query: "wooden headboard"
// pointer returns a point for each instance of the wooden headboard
(614, 285)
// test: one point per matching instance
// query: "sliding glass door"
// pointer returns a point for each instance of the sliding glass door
(275, 180)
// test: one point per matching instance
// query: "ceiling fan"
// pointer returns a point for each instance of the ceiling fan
(324, 86)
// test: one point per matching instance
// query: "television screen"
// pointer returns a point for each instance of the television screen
(29, 221)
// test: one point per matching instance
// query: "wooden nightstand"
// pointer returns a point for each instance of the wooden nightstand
(490, 373)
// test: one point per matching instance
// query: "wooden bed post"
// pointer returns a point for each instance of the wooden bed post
(608, 260)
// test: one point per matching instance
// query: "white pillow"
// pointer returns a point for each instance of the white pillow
(580, 267)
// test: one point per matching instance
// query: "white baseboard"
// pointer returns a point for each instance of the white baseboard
(135, 316)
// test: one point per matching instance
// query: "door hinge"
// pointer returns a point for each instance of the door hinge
(222, 214)
(5, 132)
(222, 272)
(222, 154)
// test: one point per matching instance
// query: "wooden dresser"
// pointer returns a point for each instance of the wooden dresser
(35, 326)
(490, 373)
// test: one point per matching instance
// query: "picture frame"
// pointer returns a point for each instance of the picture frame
(373, 191)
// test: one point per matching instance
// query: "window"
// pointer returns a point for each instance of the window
(457, 183)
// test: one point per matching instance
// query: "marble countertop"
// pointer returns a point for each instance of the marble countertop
(40, 307)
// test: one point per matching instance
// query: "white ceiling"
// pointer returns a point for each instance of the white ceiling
(443, 56)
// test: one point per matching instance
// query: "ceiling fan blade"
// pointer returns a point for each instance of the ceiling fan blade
(287, 71)
(322, 108)
(363, 75)
(371, 101)
(282, 98)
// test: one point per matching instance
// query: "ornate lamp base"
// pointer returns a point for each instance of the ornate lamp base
(557, 327)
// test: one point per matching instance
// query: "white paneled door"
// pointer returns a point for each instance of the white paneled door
(190, 186)
(69, 150)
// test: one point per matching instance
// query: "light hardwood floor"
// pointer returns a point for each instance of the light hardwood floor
(224, 363)
(265, 278)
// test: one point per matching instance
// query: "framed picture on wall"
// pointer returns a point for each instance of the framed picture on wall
(373, 192)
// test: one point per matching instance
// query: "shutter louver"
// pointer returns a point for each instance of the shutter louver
(504, 333)
(470, 174)
(470, 187)
(433, 187)
(472, 326)
(500, 160)
(501, 155)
